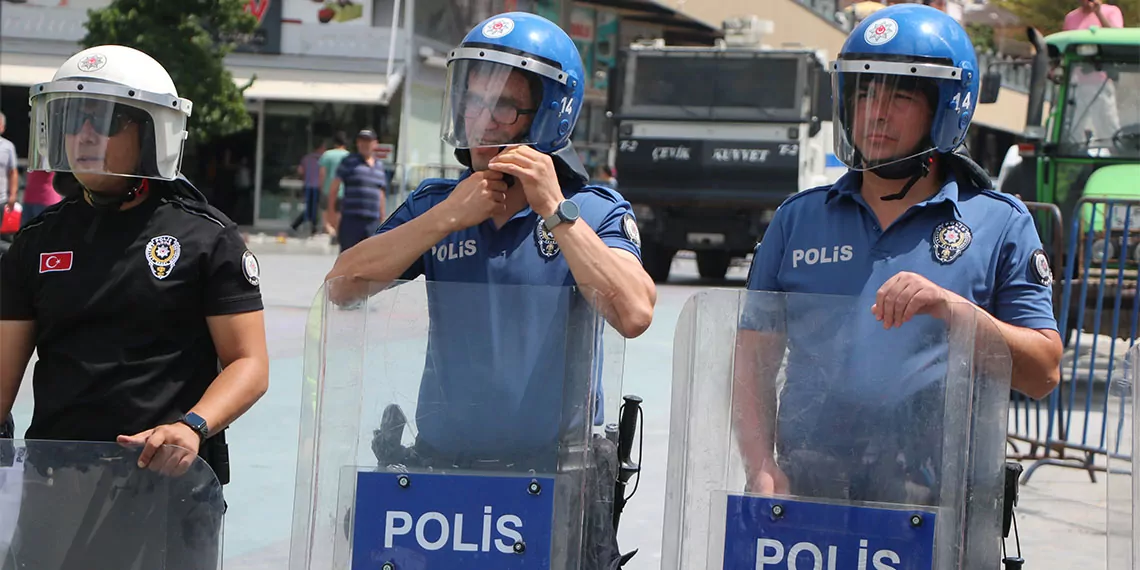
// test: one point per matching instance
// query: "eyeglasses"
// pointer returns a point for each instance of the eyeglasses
(503, 112)
(107, 118)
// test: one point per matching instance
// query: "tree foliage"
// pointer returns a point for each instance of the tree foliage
(185, 37)
(1049, 15)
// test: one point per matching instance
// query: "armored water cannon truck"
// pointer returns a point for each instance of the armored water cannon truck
(711, 139)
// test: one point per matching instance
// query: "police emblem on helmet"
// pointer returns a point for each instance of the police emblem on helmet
(93, 62)
(1041, 269)
(544, 239)
(161, 254)
(950, 239)
(881, 32)
(498, 27)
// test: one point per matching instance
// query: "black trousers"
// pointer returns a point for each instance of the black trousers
(112, 516)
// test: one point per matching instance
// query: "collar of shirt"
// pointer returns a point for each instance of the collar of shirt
(849, 185)
(526, 211)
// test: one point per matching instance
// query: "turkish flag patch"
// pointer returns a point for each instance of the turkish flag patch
(56, 261)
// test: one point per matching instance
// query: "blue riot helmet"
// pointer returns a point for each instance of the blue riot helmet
(905, 64)
(516, 78)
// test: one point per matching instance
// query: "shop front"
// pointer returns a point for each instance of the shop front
(314, 75)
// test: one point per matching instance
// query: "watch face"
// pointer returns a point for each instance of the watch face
(569, 210)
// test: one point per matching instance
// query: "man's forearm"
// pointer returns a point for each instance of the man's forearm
(1035, 355)
(1103, 19)
(233, 392)
(383, 258)
(756, 362)
(617, 286)
(17, 342)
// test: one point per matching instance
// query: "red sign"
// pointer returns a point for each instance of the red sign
(258, 8)
(56, 261)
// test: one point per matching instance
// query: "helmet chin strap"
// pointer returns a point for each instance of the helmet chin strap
(104, 202)
(915, 168)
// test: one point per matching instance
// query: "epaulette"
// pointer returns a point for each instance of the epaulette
(1010, 199)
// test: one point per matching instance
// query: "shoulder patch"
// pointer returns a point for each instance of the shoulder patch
(250, 268)
(629, 228)
(1042, 272)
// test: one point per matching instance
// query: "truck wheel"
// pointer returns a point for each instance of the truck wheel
(657, 260)
(713, 264)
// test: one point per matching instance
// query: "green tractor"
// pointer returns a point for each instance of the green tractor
(1086, 154)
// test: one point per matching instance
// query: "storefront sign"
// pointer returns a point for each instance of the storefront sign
(267, 37)
(40, 19)
(331, 13)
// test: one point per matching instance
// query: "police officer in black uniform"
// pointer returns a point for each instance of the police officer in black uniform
(141, 299)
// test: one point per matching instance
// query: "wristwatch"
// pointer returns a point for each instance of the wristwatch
(196, 423)
(565, 213)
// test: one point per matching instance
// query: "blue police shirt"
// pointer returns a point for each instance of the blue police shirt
(497, 356)
(980, 244)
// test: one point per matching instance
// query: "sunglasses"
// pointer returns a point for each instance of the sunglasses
(107, 118)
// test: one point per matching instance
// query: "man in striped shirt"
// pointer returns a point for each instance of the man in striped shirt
(364, 184)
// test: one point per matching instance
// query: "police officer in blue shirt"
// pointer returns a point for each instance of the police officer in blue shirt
(911, 229)
(522, 214)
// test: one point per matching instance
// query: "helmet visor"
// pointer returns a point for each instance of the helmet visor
(881, 118)
(92, 135)
(489, 104)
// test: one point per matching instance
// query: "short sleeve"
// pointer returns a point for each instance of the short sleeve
(618, 228)
(759, 311)
(16, 293)
(401, 216)
(1023, 285)
(13, 160)
(344, 169)
(233, 277)
(1113, 14)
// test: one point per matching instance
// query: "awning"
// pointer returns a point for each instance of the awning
(26, 70)
(272, 84)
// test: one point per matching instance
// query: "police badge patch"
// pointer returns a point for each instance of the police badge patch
(629, 228)
(950, 239)
(250, 268)
(1041, 270)
(161, 254)
(544, 239)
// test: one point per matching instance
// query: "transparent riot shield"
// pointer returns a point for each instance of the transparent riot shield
(804, 434)
(456, 425)
(80, 505)
(1123, 488)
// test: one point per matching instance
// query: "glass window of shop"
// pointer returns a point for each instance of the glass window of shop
(293, 130)
(226, 169)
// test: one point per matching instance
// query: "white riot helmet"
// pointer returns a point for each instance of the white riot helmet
(95, 97)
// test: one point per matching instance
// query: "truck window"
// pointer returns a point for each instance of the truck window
(716, 82)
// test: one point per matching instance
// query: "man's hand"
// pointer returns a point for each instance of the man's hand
(908, 294)
(768, 480)
(535, 171)
(171, 461)
(477, 198)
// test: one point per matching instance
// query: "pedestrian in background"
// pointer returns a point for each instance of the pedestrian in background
(365, 183)
(329, 163)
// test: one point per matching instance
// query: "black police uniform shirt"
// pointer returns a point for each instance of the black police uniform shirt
(121, 310)
(499, 353)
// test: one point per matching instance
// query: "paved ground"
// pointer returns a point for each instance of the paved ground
(1062, 514)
